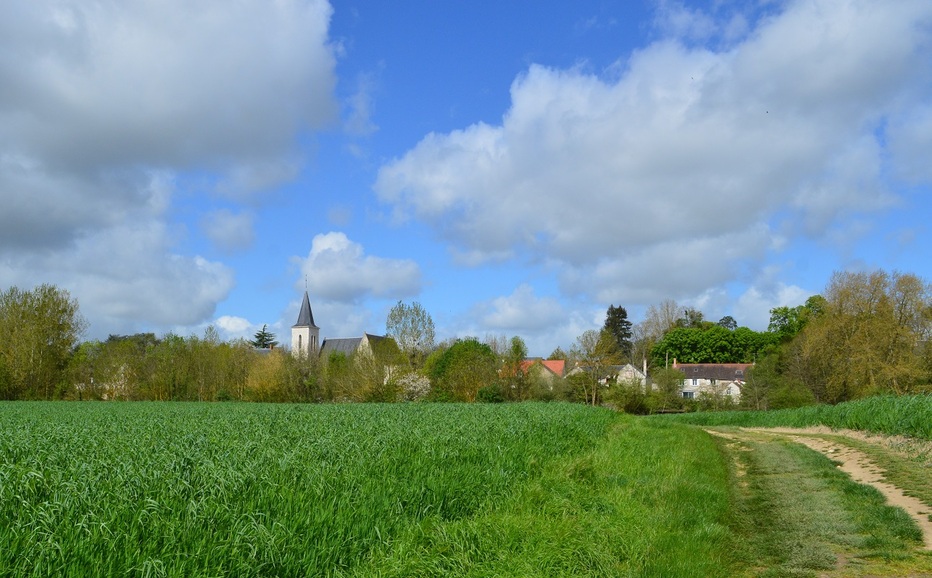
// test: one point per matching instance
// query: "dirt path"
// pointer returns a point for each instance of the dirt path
(861, 469)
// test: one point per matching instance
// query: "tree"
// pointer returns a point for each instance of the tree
(557, 354)
(412, 328)
(665, 390)
(693, 318)
(461, 370)
(728, 322)
(659, 320)
(595, 352)
(264, 339)
(516, 381)
(38, 330)
(865, 337)
(788, 322)
(617, 324)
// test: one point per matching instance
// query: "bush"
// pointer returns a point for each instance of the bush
(490, 394)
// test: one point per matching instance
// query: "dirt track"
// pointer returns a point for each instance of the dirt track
(861, 469)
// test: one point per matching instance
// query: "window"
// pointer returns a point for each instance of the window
(712, 381)
(688, 395)
(695, 382)
(299, 342)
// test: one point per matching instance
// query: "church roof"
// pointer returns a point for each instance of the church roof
(305, 317)
(346, 346)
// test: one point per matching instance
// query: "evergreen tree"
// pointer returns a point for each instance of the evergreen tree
(264, 339)
(617, 324)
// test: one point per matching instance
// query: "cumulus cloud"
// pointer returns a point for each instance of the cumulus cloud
(669, 175)
(338, 269)
(106, 106)
(521, 311)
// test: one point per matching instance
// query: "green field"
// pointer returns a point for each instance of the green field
(533, 489)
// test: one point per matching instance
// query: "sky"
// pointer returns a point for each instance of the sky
(514, 167)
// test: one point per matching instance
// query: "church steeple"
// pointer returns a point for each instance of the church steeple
(306, 316)
(305, 336)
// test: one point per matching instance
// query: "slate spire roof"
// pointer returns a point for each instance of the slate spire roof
(305, 317)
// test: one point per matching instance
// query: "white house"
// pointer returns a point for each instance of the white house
(712, 378)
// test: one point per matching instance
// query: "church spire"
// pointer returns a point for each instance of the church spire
(306, 316)
(305, 336)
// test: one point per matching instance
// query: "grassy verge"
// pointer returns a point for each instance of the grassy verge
(651, 499)
(904, 415)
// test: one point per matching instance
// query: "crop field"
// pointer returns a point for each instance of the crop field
(531, 489)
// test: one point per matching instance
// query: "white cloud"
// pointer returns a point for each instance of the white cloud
(910, 138)
(338, 269)
(668, 178)
(752, 309)
(107, 106)
(521, 311)
(229, 231)
(233, 325)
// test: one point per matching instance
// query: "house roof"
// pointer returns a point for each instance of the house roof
(305, 316)
(724, 371)
(556, 366)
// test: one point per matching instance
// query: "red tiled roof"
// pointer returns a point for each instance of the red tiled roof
(555, 365)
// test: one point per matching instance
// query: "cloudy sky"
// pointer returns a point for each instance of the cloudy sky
(515, 167)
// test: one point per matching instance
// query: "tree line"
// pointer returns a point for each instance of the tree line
(867, 334)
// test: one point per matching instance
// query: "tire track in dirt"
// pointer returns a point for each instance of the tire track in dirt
(859, 467)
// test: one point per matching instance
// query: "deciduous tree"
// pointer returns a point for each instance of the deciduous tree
(412, 328)
(38, 330)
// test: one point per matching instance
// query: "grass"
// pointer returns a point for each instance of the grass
(800, 516)
(175, 489)
(651, 500)
(890, 415)
(255, 490)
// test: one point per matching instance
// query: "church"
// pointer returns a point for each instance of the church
(305, 337)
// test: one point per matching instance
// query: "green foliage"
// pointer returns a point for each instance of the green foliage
(38, 330)
(714, 344)
(258, 489)
(516, 383)
(460, 370)
(788, 322)
(490, 394)
(264, 339)
(618, 325)
(728, 322)
(866, 338)
(557, 354)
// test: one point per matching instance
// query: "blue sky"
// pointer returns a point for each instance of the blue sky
(515, 167)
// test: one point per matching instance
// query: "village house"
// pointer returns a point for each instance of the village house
(544, 371)
(611, 374)
(721, 379)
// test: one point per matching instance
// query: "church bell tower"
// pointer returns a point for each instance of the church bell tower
(305, 336)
